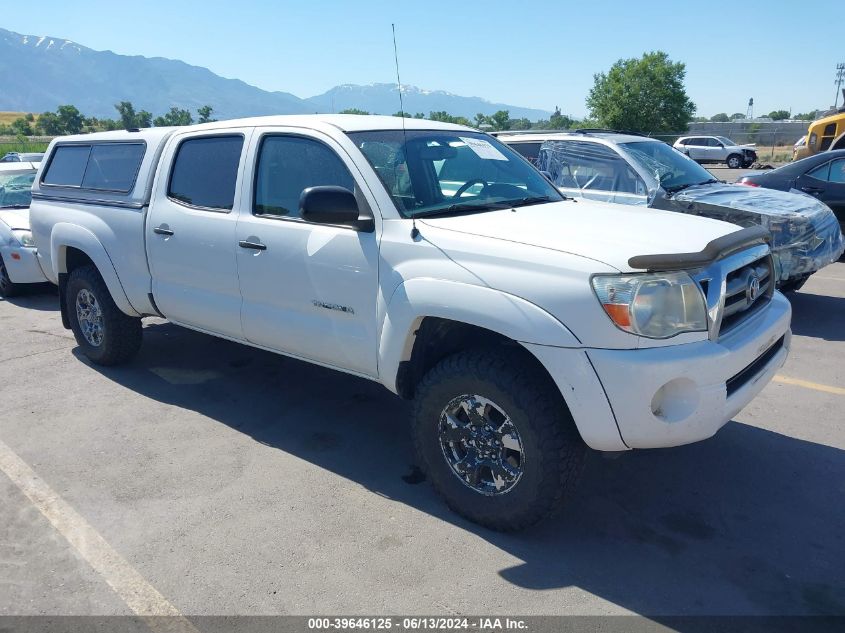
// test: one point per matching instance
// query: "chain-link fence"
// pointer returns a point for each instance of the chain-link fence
(23, 145)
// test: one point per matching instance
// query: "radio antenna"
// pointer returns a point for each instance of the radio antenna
(414, 231)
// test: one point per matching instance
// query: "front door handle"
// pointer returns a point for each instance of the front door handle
(162, 230)
(256, 246)
(811, 190)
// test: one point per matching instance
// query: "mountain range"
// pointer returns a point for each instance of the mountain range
(40, 73)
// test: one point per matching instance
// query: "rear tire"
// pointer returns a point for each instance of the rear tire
(734, 161)
(105, 335)
(8, 288)
(513, 397)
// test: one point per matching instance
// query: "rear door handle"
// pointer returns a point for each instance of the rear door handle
(162, 230)
(256, 246)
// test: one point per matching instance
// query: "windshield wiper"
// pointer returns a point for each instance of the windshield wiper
(14, 206)
(677, 188)
(530, 200)
(462, 208)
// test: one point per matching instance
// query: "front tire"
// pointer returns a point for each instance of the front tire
(495, 439)
(8, 288)
(105, 335)
(734, 161)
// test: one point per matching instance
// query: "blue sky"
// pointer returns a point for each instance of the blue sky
(536, 54)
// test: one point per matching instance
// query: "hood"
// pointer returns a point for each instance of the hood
(805, 233)
(608, 233)
(753, 199)
(15, 218)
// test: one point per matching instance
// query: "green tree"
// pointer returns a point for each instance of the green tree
(204, 114)
(722, 117)
(779, 115)
(737, 115)
(49, 124)
(176, 117)
(419, 115)
(353, 111)
(131, 119)
(70, 118)
(500, 120)
(559, 121)
(480, 119)
(806, 116)
(406, 115)
(21, 127)
(643, 95)
(519, 124)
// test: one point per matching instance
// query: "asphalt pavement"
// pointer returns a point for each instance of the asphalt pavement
(213, 478)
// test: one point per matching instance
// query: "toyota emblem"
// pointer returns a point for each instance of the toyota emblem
(753, 290)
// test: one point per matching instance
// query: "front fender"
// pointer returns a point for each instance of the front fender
(481, 306)
(64, 236)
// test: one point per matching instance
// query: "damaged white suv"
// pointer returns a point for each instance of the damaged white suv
(432, 259)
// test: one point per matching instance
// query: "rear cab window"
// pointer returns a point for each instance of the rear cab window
(205, 172)
(111, 166)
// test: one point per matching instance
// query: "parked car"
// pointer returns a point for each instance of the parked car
(18, 263)
(821, 176)
(641, 171)
(823, 134)
(717, 149)
(15, 157)
(433, 259)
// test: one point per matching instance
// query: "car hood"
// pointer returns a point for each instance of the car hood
(15, 218)
(608, 233)
(805, 233)
(752, 200)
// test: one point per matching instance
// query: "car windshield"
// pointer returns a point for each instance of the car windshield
(16, 188)
(444, 172)
(672, 170)
(726, 141)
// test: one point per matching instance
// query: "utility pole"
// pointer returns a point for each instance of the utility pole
(840, 77)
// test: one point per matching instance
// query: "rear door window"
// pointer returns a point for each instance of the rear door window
(205, 171)
(837, 171)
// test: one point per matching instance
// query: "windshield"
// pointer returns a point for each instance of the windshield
(443, 172)
(726, 141)
(672, 170)
(16, 188)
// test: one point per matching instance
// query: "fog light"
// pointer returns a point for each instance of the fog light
(676, 400)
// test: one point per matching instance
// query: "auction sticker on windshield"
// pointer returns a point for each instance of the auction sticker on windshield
(483, 149)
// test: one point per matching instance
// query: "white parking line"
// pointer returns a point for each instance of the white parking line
(139, 595)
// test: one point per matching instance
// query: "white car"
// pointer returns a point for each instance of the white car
(433, 259)
(717, 149)
(18, 262)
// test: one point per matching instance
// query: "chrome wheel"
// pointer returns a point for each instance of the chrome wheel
(481, 445)
(90, 317)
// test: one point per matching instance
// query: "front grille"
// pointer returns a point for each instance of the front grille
(742, 378)
(741, 302)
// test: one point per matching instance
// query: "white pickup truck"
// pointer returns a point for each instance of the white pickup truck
(434, 260)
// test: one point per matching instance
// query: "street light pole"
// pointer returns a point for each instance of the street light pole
(840, 77)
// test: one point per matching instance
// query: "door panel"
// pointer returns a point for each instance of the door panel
(191, 233)
(312, 291)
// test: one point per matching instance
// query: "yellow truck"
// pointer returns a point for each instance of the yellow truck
(823, 134)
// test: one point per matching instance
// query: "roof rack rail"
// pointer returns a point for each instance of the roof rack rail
(600, 130)
(506, 132)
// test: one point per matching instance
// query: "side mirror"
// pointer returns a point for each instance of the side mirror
(333, 205)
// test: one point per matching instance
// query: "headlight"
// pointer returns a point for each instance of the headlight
(652, 305)
(24, 237)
